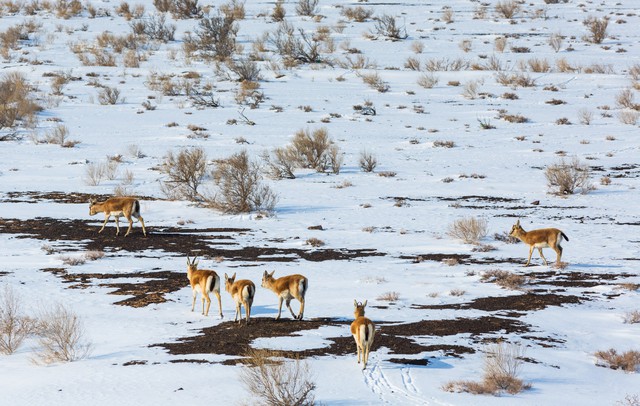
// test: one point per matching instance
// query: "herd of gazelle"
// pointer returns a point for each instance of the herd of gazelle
(291, 287)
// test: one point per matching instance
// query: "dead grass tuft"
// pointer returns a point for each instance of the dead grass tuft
(470, 230)
(628, 361)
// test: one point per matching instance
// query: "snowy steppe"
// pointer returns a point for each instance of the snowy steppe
(357, 210)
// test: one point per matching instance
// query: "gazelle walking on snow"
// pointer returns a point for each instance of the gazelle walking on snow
(541, 238)
(242, 291)
(205, 282)
(287, 288)
(363, 331)
(118, 206)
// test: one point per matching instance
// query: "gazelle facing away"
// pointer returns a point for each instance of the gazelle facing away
(205, 282)
(242, 291)
(287, 288)
(541, 238)
(118, 206)
(363, 331)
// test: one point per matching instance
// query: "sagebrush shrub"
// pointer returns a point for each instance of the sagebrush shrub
(15, 326)
(185, 173)
(240, 186)
(62, 336)
(565, 178)
(597, 29)
(17, 103)
(470, 230)
(274, 381)
(628, 361)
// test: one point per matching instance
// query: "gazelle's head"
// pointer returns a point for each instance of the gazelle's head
(358, 308)
(192, 265)
(228, 281)
(92, 208)
(267, 279)
(516, 230)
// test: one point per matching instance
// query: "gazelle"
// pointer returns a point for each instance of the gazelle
(118, 206)
(287, 288)
(242, 291)
(205, 282)
(363, 331)
(541, 238)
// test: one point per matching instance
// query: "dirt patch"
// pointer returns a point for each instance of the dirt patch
(524, 302)
(181, 241)
(58, 197)
(574, 279)
(463, 259)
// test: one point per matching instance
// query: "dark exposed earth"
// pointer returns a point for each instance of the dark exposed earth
(501, 314)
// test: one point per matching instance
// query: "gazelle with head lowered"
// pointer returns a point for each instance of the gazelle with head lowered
(540, 238)
(205, 282)
(287, 288)
(363, 331)
(118, 207)
(242, 291)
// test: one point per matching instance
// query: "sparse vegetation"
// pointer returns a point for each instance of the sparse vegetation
(470, 229)
(628, 361)
(15, 326)
(185, 172)
(565, 178)
(61, 336)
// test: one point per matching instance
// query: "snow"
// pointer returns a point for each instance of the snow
(602, 224)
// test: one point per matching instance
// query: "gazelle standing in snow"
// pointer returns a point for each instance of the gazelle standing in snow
(205, 282)
(541, 238)
(287, 288)
(242, 291)
(363, 331)
(118, 206)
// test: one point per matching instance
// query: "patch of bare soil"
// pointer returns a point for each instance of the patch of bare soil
(233, 339)
(58, 197)
(463, 259)
(181, 241)
(523, 302)
(574, 279)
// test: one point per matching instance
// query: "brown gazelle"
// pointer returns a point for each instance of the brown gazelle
(242, 291)
(205, 282)
(287, 288)
(541, 238)
(363, 331)
(118, 206)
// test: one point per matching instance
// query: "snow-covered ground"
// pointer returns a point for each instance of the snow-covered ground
(494, 174)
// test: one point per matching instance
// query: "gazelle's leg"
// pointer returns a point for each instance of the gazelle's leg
(291, 310)
(117, 224)
(237, 311)
(215, 292)
(106, 218)
(558, 250)
(301, 314)
(280, 299)
(542, 256)
(130, 225)
(208, 299)
(141, 220)
(530, 252)
(193, 304)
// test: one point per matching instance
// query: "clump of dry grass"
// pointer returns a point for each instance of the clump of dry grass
(627, 361)
(62, 337)
(314, 242)
(504, 279)
(15, 326)
(501, 371)
(389, 297)
(274, 381)
(565, 178)
(632, 317)
(470, 230)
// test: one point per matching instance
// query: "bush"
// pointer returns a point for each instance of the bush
(565, 178)
(186, 171)
(597, 29)
(61, 336)
(303, 48)
(502, 366)
(312, 148)
(504, 279)
(307, 7)
(109, 95)
(470, 230)
(368, 161)
(277, 382)
(387, 26)
(507, 9)
(14, 325)
(17, 105)
(627, 361)
(240, 186)
(215, 37)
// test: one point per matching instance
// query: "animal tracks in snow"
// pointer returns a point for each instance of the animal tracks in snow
(378, 379)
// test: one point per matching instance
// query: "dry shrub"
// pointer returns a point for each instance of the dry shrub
(539, 65)
(17, 104)
(597, 29)
(374, 81)
(313, 148)
(15, 327)
(632, 317)
(507, 9)
(428, 80)
(470, 230)
(565, 178)
(500, 44)
(457, 292)
(61, 336)
(234, 8)
(214, 38)
(307, 7)
(72, 261)
(240, 186)
(185, 172)
(504, 279)
(279, 12)
(502, 366)
(629, 400)
(628, 116)
(585, 116)
(109, 95)
(281, 163)
(314, 242)
(67, 9)
(368, 161)
(358, 14)
(555, 41)
(389, 297)
(93, 255)
(387, 26)
(444, 144)
(277, 382)
(625, 99)
(627, 361)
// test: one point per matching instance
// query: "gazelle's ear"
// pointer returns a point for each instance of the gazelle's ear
(364, 304)
(233, 276)
(272, 272)
(264, 275)
(188, 262)
(518, 222)
(355, 303)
